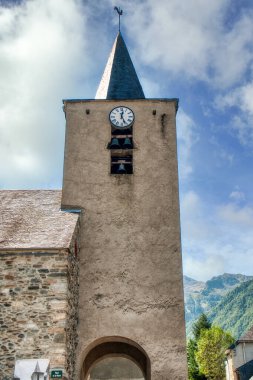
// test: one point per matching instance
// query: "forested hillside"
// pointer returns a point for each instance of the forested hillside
(209, 298)
(234, 313)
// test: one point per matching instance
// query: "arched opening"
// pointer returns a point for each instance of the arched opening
(116, 358)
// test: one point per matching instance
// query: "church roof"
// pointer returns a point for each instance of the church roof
(119, 80)
(32, 219)
(247, 337)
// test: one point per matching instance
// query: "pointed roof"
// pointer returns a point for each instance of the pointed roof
(119, 80)
(37, 368)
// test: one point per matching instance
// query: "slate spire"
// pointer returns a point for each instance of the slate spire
(37, 368)
(119, 80)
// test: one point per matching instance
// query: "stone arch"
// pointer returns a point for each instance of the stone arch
(115, 346)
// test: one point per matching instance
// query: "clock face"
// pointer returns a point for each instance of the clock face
(121, 117)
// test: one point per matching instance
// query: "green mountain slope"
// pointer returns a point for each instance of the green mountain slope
(201, 297)
(234, 313)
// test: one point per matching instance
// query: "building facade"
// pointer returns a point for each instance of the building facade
(39, 246)
(120, 168)
(239, 358)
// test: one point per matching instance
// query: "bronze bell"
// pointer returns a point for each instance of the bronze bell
(115, 144)
(127, 143)
(121, 169)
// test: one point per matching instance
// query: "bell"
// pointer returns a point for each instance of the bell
(127, 143)
(121, 169)
(115, 144)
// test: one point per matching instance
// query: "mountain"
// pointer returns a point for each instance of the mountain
(192, 291)
(203, 297)
(234, 313)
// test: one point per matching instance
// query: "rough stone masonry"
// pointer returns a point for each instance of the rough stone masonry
(39, 287)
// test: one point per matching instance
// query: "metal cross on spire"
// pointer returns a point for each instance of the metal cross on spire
(120, 13)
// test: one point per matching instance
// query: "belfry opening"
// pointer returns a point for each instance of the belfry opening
(115, 358)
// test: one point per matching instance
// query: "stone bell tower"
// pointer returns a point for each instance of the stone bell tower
(120, 169)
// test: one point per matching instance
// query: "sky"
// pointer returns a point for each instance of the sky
(199, 51)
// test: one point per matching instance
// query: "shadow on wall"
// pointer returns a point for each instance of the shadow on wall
(116, 368)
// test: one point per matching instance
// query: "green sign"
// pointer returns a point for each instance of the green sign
(56, 374)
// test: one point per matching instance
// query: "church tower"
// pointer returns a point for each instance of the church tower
(120, 170)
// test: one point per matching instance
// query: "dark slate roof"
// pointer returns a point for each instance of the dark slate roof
(119, 80)
(32, 219)
(247, 337)
(246, 370)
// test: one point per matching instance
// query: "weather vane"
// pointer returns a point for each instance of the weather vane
(120, 13)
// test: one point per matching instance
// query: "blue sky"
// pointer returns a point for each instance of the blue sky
(196, 50)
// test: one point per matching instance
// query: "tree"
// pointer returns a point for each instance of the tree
(192, 346)
(193, 368)
(210, 353)
(201, 324)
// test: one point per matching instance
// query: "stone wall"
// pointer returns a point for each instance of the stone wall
(39, 296)
(72, 313)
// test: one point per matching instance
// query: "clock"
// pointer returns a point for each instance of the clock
(121, 117)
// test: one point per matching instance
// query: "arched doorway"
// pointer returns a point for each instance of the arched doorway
(115, 358)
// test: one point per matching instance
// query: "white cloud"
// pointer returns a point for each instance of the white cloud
(187, 136)
(151, 89)
(242, 124)
(241, 97)
(41, 47)
(196, 227)
(237, 196)
(215, 239)
(241, 100)
(246, 98)
(181, 33)
(233, 53)
(204, 269)
(240, 217)
(192, 39)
